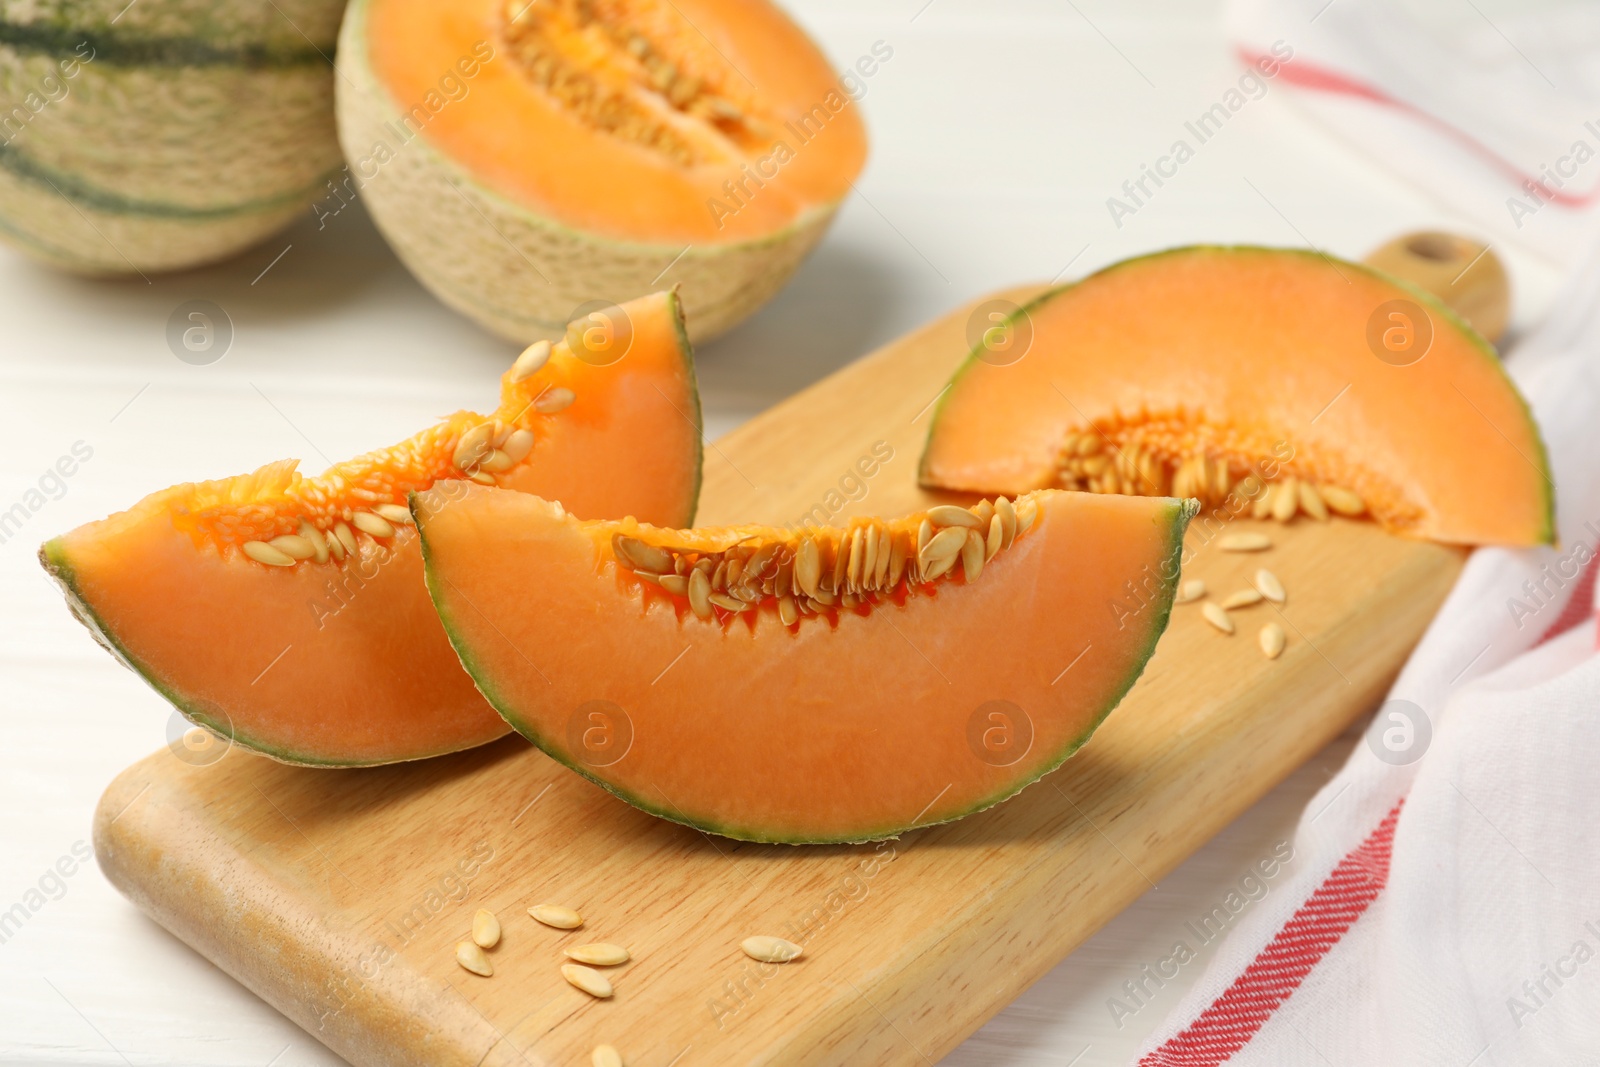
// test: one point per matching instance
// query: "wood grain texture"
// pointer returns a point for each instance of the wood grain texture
(339, 896)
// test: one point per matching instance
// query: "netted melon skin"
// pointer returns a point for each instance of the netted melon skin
(186, 133)
(515, 272)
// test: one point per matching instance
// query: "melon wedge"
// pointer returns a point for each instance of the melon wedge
(524, 158)
(289, 613)
(1257, 380)
(809, 685)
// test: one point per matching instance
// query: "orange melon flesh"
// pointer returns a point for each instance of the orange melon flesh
(342, 661)
(916, 706)
(606, 141)
(1259, 358)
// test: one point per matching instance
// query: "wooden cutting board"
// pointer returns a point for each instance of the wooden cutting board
(339, 896)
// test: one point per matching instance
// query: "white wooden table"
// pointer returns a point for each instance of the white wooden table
(999, 131)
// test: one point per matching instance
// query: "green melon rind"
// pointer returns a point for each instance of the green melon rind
(1431, 303)
(1176, 517)
(516, 272)
(192, 132)
(57, 564)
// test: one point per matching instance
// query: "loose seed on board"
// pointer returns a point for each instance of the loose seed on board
(536, 355)
(368, 523)
(1342, 501)
(605, 1056)
(557, 916)
(770, 949)
(1271, 640)
(599, 954)
(1244, 542)
(1191, 590)
(587, 979)
(554, 400)
(485, 929)
(1311, 502)
(1286, 501)
(1241, 599)
(1270, 587)
(262, 552)
(1216, 617)
(950, 515)
(398, 514)
(474, 959)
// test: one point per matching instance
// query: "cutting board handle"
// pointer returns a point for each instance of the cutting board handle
(1466, 275)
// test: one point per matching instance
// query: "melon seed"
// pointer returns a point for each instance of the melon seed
(924, 535)
(368, 523)
(587, 979)
(728, 603)
(473, 446)
(1008, 520)
(1342, 501)
(474, 959)
(1216, 617)
(946, 544)
(996, 539)
(346, 538)
(485, 929)
(1027, 512)
(554, 400)
(1193, 589)
(807, 566)
(972, 555)
(1286, 501)
(1261, 508)
(482, 477)
(640, 556)
(599, 954)
(770, 949)
(496, 462)
(294, 545)
(1241, 599)
(788, 611)
(398, 514)
(319, 544)
(1270, 587)
(700, 594)
(557, 916)
(262, 552)
(1271, 640)
(1244, 542)
(676, 584)
(518, 445)
(605, 1056)
(1311, 502)
(950, 515)
(536, 355)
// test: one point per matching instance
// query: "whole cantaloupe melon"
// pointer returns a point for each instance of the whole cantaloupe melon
(161, 134)
(526, 158)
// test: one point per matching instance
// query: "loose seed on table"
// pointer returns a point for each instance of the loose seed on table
(605, 1056)
(1271, 639)
(474, 959)
(485, 929)
(1217, 617)
(1193, 589)
(587, 979)
(1270, 587)
(770, 949)
(599, 954)
(557, 916)
(1241, 599)
(1244, 542)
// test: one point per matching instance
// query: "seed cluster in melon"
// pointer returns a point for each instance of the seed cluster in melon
(824, 684)
(1253, 380)
(289, 612)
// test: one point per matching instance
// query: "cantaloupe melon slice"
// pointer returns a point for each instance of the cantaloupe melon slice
(1264, 381)
(807, 685)
(289, 612)
(162, 134)
(524, 158)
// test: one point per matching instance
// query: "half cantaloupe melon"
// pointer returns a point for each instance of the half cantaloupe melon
(162, 134)
(526, 157)
(289, 613)
(810, 685)
(1264, 381)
